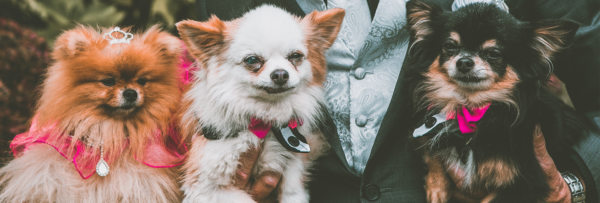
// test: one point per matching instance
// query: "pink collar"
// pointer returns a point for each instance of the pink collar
(157, 154)
(467, 118)
(260, 128)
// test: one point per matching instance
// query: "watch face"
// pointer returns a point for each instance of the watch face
(291, 139)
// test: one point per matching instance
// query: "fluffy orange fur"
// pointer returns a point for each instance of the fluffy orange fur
(74, 99)
(319, 39)
(213, 37)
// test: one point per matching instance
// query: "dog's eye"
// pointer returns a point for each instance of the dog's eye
(450, 46)
(494, 54)
(296, 56)
(109, 82)
(252, 60)
(142, 81)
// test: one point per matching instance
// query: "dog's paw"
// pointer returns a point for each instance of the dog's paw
(437, 195)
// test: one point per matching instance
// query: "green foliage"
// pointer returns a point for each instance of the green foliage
(50, 17)
(23, 60)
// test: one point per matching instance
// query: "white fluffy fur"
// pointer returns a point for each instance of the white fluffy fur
(271, 33)
(43, 175)
(224, 96)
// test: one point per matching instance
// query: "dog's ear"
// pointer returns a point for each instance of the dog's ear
(551, 36)
(325, 25)
(168, 46)
(420, 18)
(74, 42)
(202, 38)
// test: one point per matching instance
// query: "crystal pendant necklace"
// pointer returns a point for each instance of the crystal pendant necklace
(102, 167)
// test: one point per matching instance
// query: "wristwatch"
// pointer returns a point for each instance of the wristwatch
(576, 187)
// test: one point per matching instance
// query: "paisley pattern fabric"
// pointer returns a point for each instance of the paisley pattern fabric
(363, 67)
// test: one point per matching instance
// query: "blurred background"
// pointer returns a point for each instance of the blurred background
(28, 29)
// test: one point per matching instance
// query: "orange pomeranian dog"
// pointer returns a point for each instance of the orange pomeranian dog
(102, 127)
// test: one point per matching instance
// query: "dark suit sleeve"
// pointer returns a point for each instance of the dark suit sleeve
(201, 14)
(579, 68)
(587, 158)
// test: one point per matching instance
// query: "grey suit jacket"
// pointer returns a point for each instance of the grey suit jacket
(394, 173)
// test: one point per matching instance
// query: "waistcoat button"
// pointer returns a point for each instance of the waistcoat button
(359, 73)
(371, 192)
(361, 121)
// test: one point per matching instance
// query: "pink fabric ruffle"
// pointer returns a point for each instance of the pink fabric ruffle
(157, 155)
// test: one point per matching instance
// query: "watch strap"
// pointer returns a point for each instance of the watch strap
(576, 187)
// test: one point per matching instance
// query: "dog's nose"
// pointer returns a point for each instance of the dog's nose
(280, 76)
(130, 95)
(465, 65)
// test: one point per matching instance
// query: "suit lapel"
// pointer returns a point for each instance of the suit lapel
(329, 131)
(393, 114)
(395, 119)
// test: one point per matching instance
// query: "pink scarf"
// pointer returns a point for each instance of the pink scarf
(467, 118)
(260, 128)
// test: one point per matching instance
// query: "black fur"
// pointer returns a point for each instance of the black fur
(506, 131)
(212, 133)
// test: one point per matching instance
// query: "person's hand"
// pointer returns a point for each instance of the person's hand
(559, 193)
(259, 188)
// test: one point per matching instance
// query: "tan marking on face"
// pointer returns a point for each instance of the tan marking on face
(455, 36)
(489, 44)
(482, 65)
(440, 90)
(481, 68)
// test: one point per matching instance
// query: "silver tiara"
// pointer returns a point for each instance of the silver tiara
(126, 37)
(461, 3)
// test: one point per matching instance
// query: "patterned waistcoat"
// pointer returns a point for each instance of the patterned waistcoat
(363, 67)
